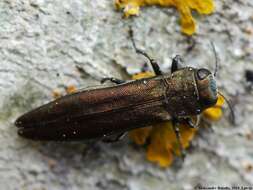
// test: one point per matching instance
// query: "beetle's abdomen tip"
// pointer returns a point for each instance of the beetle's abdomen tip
(23, 129)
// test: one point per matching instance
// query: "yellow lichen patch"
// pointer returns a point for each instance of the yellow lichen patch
(143, 75)
(139, 136)
(132, 7)
(159, 149)
(214, 113)
(163, 142)
(160, 155)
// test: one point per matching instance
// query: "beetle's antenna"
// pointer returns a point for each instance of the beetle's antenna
(232, 113)
(216, 59)
(131, 34)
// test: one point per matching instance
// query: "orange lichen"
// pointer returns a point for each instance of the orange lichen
(56, 94)
(132, 7)
(71, 89)
(247, 165)
(163, 144)
(68, 89)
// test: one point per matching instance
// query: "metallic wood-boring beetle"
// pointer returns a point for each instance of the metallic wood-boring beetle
(99, 113)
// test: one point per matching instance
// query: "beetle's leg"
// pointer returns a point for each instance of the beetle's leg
(114, 80)
(112, 139)
(176, 62)
(154, 64)
(192, 124)
(178, 136)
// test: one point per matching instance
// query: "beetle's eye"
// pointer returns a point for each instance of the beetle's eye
(203, 73)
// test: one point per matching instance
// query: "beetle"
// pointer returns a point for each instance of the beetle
(108, 111)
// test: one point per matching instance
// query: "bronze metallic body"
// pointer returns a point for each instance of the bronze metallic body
(112, 110)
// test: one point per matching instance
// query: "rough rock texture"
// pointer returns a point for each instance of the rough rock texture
(42, 42)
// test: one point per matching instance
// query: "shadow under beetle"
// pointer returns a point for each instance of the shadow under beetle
(103, 112)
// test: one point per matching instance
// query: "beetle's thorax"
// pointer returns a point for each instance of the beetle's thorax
(182, 93)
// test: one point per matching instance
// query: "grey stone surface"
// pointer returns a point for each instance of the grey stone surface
(43, 41)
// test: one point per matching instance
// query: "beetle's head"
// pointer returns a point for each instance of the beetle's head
(207, 89)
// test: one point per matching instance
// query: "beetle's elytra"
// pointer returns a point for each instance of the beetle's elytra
(114, 110)
(117, 109)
